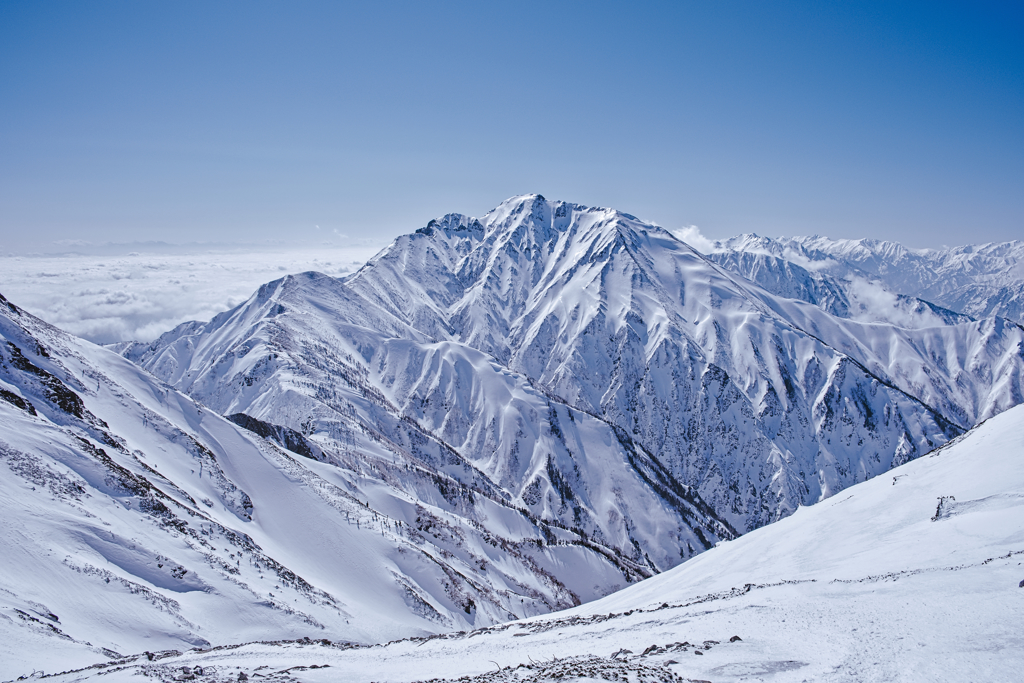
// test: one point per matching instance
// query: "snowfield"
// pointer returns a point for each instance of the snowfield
(914, 576)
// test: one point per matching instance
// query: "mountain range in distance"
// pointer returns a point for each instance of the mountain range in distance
(878, 281)
(493, 419)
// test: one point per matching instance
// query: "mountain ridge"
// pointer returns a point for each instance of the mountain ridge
(581, 301)
(975, 280)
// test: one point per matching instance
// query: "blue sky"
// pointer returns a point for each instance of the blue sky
(256, 121)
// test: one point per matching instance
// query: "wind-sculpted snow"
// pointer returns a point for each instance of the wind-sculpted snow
(482, 334)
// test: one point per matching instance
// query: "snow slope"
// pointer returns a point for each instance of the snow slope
(137, 519)
(914, 576)
(308, 353)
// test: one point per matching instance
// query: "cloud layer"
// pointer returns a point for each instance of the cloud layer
(141, 295)
(692, 235)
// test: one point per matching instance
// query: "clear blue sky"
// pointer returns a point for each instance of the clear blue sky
(249, 121)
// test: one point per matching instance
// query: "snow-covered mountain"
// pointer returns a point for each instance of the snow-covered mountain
(879, 281)
(914, 576)
(135, 518)
(754, 402)
(493, 419)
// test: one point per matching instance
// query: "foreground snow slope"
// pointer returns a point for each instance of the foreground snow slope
(913, 576)
(137, 519)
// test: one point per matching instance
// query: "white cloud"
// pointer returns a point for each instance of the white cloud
(142, 295)
(692, 236)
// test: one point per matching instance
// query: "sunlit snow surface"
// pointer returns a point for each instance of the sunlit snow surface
(885, 582)
(138, 292)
